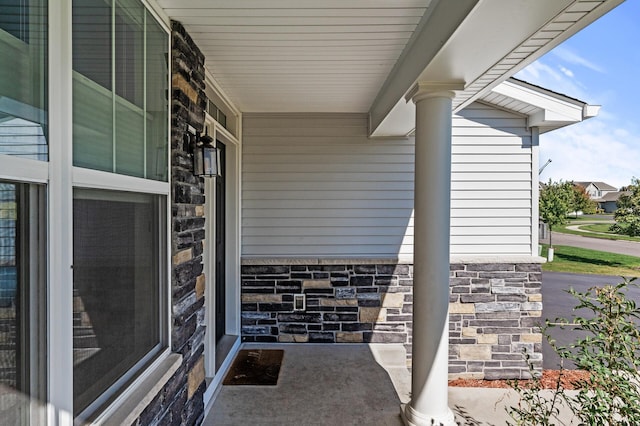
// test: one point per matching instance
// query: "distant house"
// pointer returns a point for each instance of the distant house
(602, 193)
(596, 190)
(609, 202)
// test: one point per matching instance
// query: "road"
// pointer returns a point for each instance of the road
(557, 303)
(630, 248)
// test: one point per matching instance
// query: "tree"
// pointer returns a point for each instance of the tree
(581, 201)
(556, 200)
(627, 215)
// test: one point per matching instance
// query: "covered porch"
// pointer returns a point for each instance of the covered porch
(341, 187)
(354, 384)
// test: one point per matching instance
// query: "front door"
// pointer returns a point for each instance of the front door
(220, 226)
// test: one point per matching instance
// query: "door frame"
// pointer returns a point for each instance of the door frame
(232, 260)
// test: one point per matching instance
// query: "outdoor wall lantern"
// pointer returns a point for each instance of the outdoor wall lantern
(206, 157)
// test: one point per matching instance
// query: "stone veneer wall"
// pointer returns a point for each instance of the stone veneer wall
(494, 309)
(181, 401)
(494, 312)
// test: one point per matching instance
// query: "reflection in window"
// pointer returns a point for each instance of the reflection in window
(118, 274)
(120, 85)
(21, 311)
(23, 78)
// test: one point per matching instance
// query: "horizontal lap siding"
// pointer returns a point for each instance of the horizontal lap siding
(316, 186)
(491, 182)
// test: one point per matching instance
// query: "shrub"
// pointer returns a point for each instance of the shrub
(609, 352)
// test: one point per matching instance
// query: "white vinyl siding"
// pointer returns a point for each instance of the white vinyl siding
(316, 186)
(491, 183)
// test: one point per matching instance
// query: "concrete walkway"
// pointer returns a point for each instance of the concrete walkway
(345, 384)
(630, 248)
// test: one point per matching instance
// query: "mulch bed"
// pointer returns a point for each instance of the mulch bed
(548, 380)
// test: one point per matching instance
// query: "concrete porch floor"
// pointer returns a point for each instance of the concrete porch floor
(359, 384)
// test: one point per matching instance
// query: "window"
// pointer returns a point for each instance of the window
(120, 89)
(23, 78)
(120, 126)
(118, 266)
(21, 297)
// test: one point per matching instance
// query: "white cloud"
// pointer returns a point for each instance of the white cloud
(567, 72)
(592, 150)
(570, 56)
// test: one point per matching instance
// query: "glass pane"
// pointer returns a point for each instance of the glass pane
(157, 104)
(120, 94)
(129, 66)
(92, 125)
(92, 40)
(23, 78)
(20, 312)
(92, 95)
(117, 276)
(129, 139)
(129, 60)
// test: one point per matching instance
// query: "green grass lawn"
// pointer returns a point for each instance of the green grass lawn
(598, 227)
(583, 261)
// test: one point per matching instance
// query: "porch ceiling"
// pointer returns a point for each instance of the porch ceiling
(300, 55)
(365, 55)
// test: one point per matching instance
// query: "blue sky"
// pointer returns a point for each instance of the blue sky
(600, 65)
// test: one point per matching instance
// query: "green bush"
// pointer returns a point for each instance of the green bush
(609, 352)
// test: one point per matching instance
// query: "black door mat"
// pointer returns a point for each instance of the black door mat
(256, 367)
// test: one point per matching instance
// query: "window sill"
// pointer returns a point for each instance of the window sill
(130, 405)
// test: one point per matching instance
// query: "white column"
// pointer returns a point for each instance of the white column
(429, 400)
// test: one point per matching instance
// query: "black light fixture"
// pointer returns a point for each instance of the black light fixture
(206, 157)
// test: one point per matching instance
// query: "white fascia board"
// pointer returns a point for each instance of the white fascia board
(589, 111)
(553, 110)
(400, 121)
(441, 20)
(484, 40)
(545, 118)
(554, 105)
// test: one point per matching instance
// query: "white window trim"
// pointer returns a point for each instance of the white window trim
(60, 221)
(87, 178)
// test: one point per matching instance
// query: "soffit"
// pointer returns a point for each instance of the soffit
(365, 55)
(300, 55)
(497, 39)
(544, 109)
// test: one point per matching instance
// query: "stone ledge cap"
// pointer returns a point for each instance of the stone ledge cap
(252, 261)
(496, 259)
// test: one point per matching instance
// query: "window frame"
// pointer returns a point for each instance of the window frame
(62, 177)
(34, 227)
(93, 410)
(58, 177)
(108, 403)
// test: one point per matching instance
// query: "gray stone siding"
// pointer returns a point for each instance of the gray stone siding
(494, 310)
(181, 400)
(344, 303)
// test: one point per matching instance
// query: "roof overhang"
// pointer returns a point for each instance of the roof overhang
(485, 50)
(347, 56)
(544, 109)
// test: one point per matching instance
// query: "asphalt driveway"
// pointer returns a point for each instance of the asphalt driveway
(557, 303)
